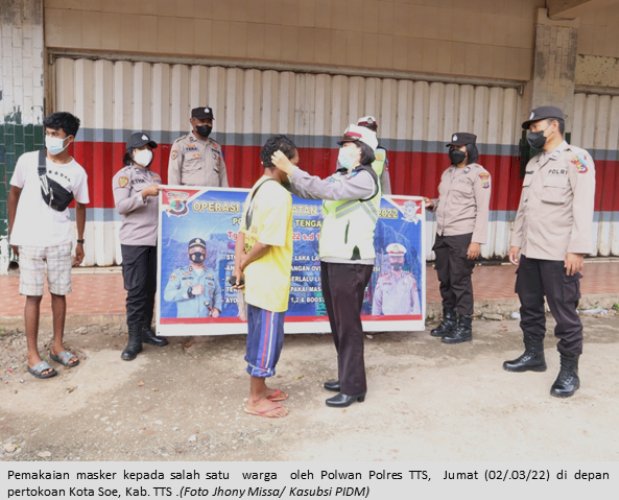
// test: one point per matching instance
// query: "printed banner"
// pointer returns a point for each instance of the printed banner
(197, 234)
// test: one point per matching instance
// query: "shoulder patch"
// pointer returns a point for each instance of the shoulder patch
(580, 162)
(174, 154)
(484, 177)
(123, 181)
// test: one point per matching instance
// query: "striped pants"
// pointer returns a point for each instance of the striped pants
(265, 339)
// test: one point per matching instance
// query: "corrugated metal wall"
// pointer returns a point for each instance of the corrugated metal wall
(416, 118)
(596, 128)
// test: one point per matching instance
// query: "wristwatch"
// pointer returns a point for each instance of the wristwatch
(81, 241)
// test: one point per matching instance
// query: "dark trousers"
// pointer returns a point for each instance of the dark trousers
(140, 279)
(536, 278)
(343, 286)
(454, 272)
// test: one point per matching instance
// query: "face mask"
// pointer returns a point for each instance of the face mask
(456, 156)
(55, 145)
(204, 130)
(347, 158)
(536, 140)
(197, 257)
(397, 266)
(143, 157)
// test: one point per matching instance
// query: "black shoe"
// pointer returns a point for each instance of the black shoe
(462, 333)
(134, 345)
(344, 400)
(149, 337)
(447, 325)
(529, 360)
(332, 385)
(567, 382)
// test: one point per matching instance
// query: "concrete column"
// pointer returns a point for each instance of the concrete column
(21, 87)
(554, 64)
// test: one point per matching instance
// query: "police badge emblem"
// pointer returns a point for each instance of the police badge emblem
(177, 203)
(411, 214)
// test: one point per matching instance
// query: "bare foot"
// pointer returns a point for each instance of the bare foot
(265, 408)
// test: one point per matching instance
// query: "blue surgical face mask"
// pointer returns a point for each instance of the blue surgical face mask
(55, 145)
(347, 157)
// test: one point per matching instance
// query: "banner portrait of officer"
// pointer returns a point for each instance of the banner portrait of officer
(396, 290)
(194, 288)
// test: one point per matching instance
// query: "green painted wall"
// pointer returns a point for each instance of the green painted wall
(15, 139)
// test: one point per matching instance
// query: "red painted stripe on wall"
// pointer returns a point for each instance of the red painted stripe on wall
(412, 173)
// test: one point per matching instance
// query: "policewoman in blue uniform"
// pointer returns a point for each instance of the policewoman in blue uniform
(193, 288)
(346, 248)
(551, 235)
(136, 190)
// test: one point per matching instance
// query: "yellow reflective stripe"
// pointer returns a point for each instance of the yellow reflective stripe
(345, 205)
(349, 209)
(370, 210)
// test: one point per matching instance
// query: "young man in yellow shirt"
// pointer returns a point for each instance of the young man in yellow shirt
(263, 256)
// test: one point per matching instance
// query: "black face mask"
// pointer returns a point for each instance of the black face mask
(536, 139)
(204, 130)
(456, 156)
(197, 257)
(397, 267)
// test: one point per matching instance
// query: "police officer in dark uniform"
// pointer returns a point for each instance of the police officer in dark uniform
(194, 288)
(136, 190)
(551, 235)
(461, 227)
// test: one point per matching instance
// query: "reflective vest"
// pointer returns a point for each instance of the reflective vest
(379, 163)
(348, 225)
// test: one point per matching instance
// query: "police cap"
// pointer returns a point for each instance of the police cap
(396, 250)
(543, 113)
(197, 242)
(368, 122)
(355, 133)
(203, 113)
(462, 139)
(139, 140)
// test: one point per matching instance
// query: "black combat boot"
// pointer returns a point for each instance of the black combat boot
(532, 359)
(134, 345)
(567, 381)
(447, 325)
(463, 331)
(149, 337)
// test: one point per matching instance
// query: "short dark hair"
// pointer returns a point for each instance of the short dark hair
(274, 143)
(472, 152)
(62, 120)
(367, 153)
(560, 122)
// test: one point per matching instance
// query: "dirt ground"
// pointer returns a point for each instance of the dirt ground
(426, 401)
